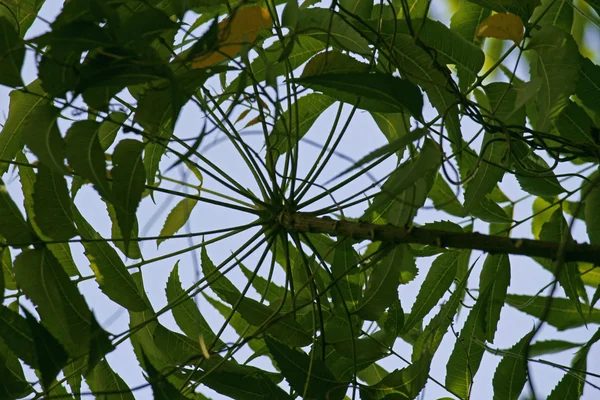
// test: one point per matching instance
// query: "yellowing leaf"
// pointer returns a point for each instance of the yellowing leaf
(502, 26)
(234, 32)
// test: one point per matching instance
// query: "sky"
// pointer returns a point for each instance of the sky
(363, 135)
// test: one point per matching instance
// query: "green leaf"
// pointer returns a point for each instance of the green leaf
(13, 384)
(109, 128)
(533, 173)
(394, 126)
(588, 86)
(333, 62)
(572, 384)
(61, 251)
(52, 205)
(307, 375)
(372, 92)
(328, 27)
(268, 289)
(592, 217)
(556, 13)
(16, 334)
(405, 383)
(290, 15)
(129, 178)
(133, 249)
(444, 198)
(562, 313)
(13, 226)
(574, 124)
(345, 269)
(22, 104)
(21, 14)
(465, 22)
(439, 278)
(551, 347)
(468, 351)
(494, 279)
(186, 314)
(382, 286)
(558, 64)
(86, 156)
(406, 189)
(557, 230)
(177, 218)
(489, 211)
(162, 389)
(511, 373)
(49, 352)
(522, 8)
(111, 274)
(103, 379)
(41, 135)
(489, 173)
(12, 54)
(62, 308)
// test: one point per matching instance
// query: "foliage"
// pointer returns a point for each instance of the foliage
(313, 290)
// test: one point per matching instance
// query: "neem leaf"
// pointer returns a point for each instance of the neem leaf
(50, 353)
(111, 274)
(12, 54)
(22, 104)
(129, 179)
(308, 376)
(13, 226)
(16, 334)
(373, 92)
(161, 387)
(592, 216)
(186, 314)
(511, 373)
(382, 286)
(502, 26)
(439, 278)
(177, 218)
(41, 135)
(52, 205)
(588, 85)
(60, 305)
(494, 279)
(103, 379)
(562, 313)
(133, 250)
(468, 351)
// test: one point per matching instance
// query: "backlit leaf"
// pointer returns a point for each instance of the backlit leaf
(103, 379)
(129, 178)
(511, 373)
(439, 278)
(52, 205)
(22, 104)
(13, 226)
(111, 274)
(502, 26)
(177, 218)
(494, 279)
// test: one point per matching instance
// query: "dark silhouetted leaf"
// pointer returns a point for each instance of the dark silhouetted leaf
(372, 92)
(129, 178)
(307, 375)
(588, 89)
(41, 135)
(103, 379)
(50, 353)
(16, 335)
(161, 387)
(52, 205)
(111, 274)
(13, 226)
(12, 54)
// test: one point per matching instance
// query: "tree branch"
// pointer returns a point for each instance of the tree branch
(305, 222)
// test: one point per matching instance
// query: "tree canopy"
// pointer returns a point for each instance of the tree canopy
(475, 107)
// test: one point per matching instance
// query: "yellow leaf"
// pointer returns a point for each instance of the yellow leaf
(235, 32)
(502, 26)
